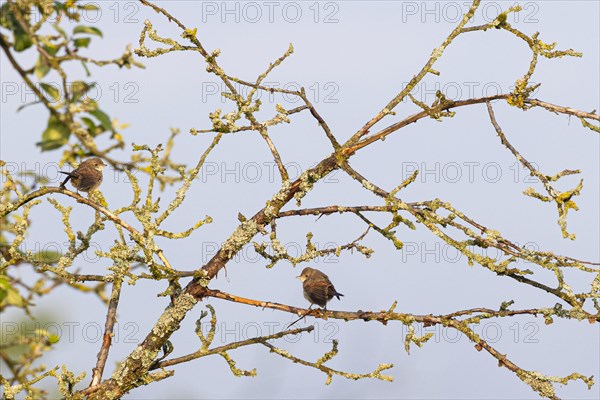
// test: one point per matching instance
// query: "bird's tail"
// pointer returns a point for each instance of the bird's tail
(69, 176)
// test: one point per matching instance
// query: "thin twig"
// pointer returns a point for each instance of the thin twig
(518, 155)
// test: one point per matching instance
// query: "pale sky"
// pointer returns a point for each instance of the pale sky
(352, 57)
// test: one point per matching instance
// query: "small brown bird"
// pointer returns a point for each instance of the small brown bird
(87, 176)
(318, 289)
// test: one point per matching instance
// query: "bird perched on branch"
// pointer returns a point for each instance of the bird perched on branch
(318, 289)
(87, 176)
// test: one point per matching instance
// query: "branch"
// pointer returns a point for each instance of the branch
(6, 208)
(25, 78)
(538, 382)
(140, 360)
(435, 55)
(230, 346)
(307, 105)
(563, 110)
(492, 238)
(563, 200)
(311, 253)
(335, 209)
(111, 317)
(330, 371)
(379, 316)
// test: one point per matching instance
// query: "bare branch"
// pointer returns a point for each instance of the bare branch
(111, 318)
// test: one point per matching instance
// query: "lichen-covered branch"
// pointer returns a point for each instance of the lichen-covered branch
(564, 200)
(280, 253)
(319, 364)
(206, 351)
(111, 318)
(74, 115)
(427, 214)
(541, 383)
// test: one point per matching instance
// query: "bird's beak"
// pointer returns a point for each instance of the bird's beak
(298, 277)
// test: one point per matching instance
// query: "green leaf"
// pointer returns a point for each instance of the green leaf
(41, 68)
(4, 285)
(82, 42)
(60, 7)
(27, 105)
(88, 6)
(87, 29)
(51, 49)
(51, 90)
(87, 71)
(60, 31)
(89, 123)
(22, 40)
(103, 118)
(92, 128)
(79, 89)
(6, 17)
(9, 295)
(56, 135)
(53, 339)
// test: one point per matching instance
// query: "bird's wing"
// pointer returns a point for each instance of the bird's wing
(322, 291)
(319, 275)
(331, 289)
(88, 179)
